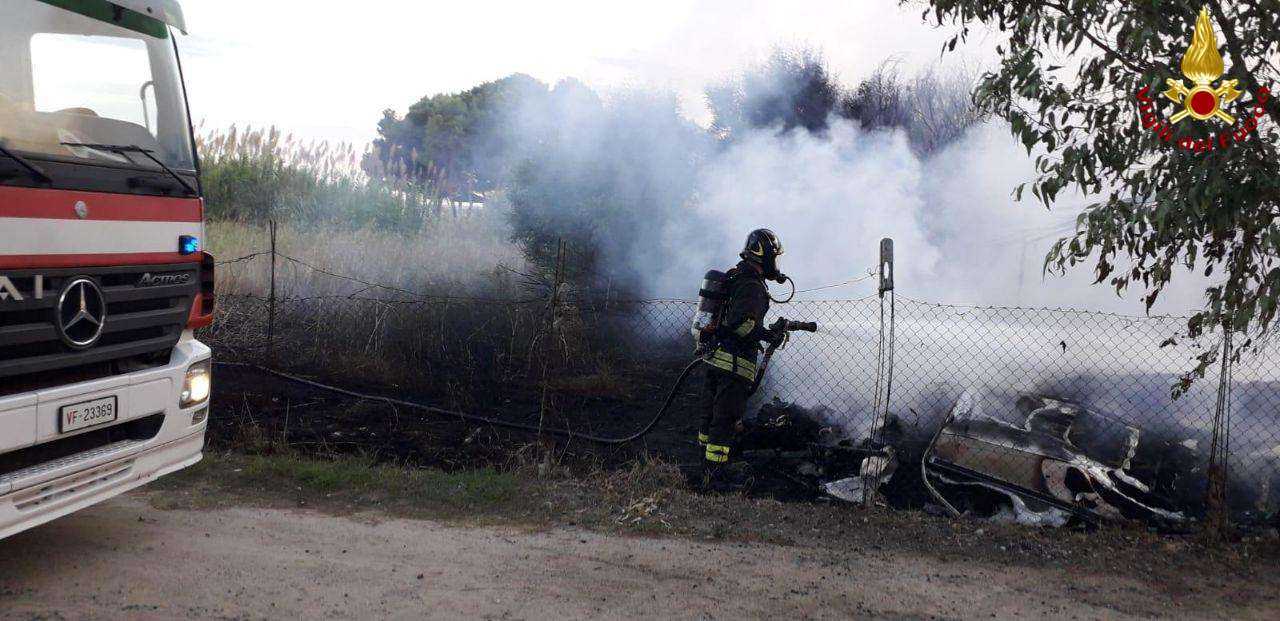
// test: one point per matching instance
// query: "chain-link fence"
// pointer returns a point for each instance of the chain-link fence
(1065, 410)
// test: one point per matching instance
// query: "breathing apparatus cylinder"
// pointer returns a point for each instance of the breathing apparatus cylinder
(711, 300)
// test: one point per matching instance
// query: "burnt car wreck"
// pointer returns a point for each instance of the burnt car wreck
(1035, 460)
(1054, 461)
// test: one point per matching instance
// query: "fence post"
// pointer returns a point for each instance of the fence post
(548, 350)
(884, 377)
(1219, 518)
(271, 300)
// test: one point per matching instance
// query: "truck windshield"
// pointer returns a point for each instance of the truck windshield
(87, 72)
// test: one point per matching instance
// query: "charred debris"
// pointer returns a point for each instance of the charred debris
(1029, 458)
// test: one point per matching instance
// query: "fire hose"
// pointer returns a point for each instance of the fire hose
(784, 325)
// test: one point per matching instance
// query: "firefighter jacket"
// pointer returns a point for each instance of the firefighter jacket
(741, 328)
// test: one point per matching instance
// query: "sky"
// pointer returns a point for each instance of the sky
(327, 70)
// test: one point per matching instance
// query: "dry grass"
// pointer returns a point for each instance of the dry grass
(604, 381)
(457, 258)
(445, 310)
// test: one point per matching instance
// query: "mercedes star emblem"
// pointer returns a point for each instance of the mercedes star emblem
(82, 313)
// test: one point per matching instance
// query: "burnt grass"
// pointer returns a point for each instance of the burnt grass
(256, 412)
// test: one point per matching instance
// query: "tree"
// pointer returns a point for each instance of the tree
(933, 109)
(1081, 81)
(794, 89)
(791, 89)
(455, 142)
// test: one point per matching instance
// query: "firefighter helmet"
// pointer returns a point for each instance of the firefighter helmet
(763, 248)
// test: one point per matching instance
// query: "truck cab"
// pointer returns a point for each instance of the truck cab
(103, 385)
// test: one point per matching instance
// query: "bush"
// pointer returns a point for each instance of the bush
(791, 89)
(934, 110)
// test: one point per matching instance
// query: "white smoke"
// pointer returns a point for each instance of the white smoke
(960, 236)
(830, 199)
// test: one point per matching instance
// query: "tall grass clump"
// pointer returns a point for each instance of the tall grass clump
(255, 175)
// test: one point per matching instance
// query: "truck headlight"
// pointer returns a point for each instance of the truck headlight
(196, 387)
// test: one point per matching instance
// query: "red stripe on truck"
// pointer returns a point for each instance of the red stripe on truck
(61, 205)
(33, 261)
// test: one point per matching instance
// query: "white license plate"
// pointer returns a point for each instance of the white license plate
(88, 414)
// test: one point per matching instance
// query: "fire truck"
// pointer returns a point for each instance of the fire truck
(103, 386)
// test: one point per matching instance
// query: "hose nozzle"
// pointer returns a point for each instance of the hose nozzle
(794, 326)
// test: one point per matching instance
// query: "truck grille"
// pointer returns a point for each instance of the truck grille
(146, 310)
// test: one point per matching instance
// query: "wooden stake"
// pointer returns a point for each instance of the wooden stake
(271, 300)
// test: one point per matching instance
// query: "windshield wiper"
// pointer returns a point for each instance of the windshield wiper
(127, 148)
(36, 172)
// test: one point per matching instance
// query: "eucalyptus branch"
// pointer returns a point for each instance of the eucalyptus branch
(1096, 41)
(1236, 48)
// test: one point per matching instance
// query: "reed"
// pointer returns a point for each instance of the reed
(259, 174)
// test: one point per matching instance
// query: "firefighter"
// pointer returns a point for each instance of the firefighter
(732, 358)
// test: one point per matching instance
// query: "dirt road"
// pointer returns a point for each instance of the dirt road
(125, 559)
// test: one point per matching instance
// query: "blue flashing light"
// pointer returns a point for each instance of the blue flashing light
(188, 244)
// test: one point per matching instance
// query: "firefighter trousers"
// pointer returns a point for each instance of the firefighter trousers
(724, 403)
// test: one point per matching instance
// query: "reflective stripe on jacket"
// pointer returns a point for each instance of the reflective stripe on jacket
(726, 361)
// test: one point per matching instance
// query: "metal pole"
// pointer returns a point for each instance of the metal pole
(884, 374)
